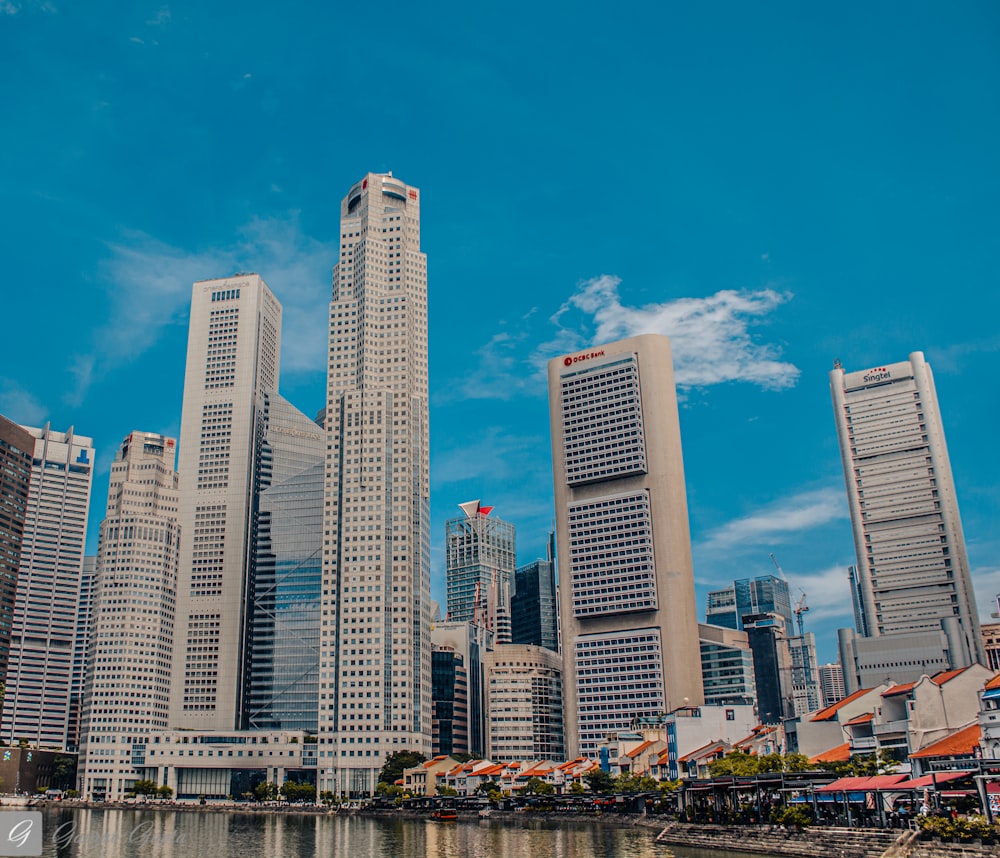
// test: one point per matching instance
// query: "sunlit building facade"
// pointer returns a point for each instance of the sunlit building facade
(629, 624)
(375, 649)
(37, 699)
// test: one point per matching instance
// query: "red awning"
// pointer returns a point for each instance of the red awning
(872, 784)
(930, 780)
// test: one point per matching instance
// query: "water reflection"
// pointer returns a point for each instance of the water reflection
(163, 834)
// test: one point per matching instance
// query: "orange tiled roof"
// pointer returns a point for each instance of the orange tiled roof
(828, 713)
(960, 743)
(898, 689)
(947, 675)
(702, 751)
(993, 683)
(862, 719)
(638, 749)
(840, 754)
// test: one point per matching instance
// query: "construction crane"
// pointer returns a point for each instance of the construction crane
(800, 607)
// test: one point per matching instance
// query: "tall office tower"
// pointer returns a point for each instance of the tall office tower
(375, 651)
(479, 566)
(234, 344)
(17, 448)
(127, 690)
(629, 625)
(533, 605)
(912, 567)
(36, 703)
(831, 684)
(81, 649)
(764, 594)
(284, 675)
(449, 701)
(525, 700)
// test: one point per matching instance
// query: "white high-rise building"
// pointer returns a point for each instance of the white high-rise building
(127, 690)
(629, 624)
(36, 705)
(233, 357)
(912, 568)
(375, 649)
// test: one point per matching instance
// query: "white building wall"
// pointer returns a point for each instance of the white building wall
(912, 564)
(234, 344)
(128, 678)
(375, 652)
(37, 696)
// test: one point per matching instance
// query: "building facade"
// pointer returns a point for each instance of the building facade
(480, 559)
(17, 449)
(764, 594)
(912, 569)
(450, 702)
(533, 609)
(629, 625)
(991, 644)
(525, 693)
(37, 700)
(127, 691)
(726, 666)
(81, 649)
(831, 684)
(288, 542)
(470, 642)
(375, 651)
(233, 357)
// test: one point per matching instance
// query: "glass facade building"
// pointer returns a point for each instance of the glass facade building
(533, 605)
(283, 682)
(764, 594)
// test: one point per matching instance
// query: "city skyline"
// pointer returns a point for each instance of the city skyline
(785, 207)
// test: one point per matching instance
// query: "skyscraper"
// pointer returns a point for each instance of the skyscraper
(17, 448)
(629, 626)
(761, 595)
(127, 689)
(233, 355)
(912, 568)
(375, 651)
(831, 683)
(533, 605)
(36, 703)
(480, 558)
(284, 675)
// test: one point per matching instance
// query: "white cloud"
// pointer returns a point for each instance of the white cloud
(19, 406)
(494, 455)
(828, 595)
(149, 288)
(161, 17)
(800, 512)
(710, 337)
(9, 8)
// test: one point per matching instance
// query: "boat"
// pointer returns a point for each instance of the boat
(444, 814)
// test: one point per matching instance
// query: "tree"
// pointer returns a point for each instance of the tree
(391, 790)
(599, 781)
(395, 763)
(486, 787)
(536, 786)
(445, 790)
(865, 765)
(577, 788)
(144, 787)
(165, 792)
(266, 791)
(63, 771)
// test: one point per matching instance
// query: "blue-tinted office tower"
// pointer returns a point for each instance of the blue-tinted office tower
(765, 594)
(533, 605)
(283, 684)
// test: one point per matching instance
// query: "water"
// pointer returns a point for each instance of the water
(80, 833)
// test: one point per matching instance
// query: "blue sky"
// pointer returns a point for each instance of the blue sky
(774, 185)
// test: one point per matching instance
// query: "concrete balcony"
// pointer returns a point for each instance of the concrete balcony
(889, 727)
